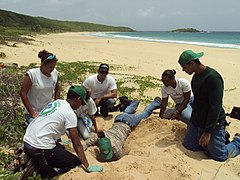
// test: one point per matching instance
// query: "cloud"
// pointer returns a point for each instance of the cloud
(145, 12)
(90, 14)
(72, 3)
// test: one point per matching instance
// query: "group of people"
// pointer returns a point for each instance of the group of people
(198, 104)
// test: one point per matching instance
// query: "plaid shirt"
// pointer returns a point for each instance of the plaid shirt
(117, 134)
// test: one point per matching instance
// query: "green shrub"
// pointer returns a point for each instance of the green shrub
(11, 116)
(2, 55)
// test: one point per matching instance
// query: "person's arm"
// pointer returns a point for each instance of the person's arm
(112, 94)
(163, 107)
(57, 91)
(26, 85)
(80, 152)
(94, 122)
(215, 91)
(186, 99)
(78, 147)
(215, 94)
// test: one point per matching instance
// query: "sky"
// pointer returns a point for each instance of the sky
(140, 15)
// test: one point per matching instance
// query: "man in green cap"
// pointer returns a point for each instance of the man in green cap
(206, 130)
(40, 139)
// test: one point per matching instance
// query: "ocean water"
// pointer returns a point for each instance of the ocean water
(210, 39)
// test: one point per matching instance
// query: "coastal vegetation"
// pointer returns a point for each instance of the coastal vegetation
(14, 27)
(186, 30)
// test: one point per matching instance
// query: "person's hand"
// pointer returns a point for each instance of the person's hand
(204, 139)
(175, 115)
(34, 115)
(94, 169)
(97, 101)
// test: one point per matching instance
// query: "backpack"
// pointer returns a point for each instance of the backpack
(235, 113)
(124, 103)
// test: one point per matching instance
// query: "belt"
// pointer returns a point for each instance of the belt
(32, 150)
(125, 122)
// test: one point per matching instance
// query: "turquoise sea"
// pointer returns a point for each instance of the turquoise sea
(210, 39)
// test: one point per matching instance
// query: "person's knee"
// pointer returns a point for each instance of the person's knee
(84, 133)
(187, 146)
(110, 103)
(186, 114)
(85, 136)
(219, 158)
(192, 146)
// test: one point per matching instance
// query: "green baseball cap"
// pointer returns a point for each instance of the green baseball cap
(188, 56)
(80, 91)
(105, 148)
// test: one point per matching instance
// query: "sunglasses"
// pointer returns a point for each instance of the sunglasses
(103, 72)
(51, 57)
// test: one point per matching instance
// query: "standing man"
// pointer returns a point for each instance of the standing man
(206, 130)
(51, 123)
(103, 89)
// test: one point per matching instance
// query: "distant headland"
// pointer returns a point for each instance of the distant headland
(186, 30)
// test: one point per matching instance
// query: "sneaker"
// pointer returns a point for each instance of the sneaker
(124, 103)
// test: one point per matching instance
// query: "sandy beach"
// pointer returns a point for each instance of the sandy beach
(153, 150)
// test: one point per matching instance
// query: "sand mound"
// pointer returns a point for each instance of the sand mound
(154, 151)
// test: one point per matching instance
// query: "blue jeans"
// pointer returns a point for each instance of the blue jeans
(106, 106)
(28, 118)
(132, 119)
(185, 115)
(216, 148)
(84, 125)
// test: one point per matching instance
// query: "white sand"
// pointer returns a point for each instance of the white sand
(153, 149)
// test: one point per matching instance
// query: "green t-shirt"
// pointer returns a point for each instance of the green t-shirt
(208, 89)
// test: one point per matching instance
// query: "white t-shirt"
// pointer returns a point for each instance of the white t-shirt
(97, 88)
(41, 91)
(51, 123)
(88, 109)
(183, 86)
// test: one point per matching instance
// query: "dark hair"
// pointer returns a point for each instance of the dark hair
(196, 61)
(103, 65)
(169, 73)
(72, 95)
(100, 134)
(44, 54)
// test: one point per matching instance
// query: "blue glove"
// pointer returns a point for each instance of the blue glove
(65, 141)
(94, 168)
